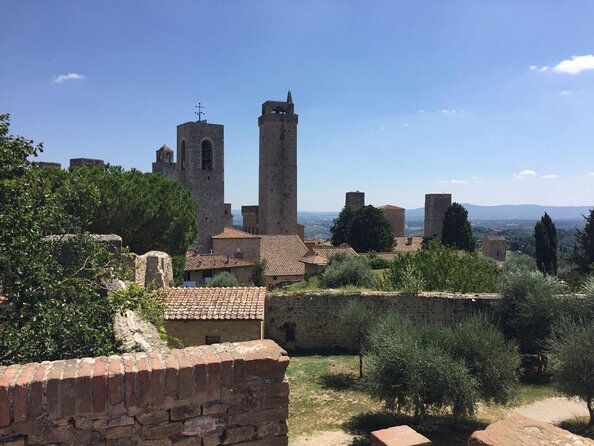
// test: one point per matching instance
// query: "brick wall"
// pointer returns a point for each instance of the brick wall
(209, 395)
(310, 317)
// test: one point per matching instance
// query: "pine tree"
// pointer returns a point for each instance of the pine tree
(545, 237)
(456, 230)
(583, 255)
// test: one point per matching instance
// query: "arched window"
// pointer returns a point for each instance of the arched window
(183, 154)
(206, 155)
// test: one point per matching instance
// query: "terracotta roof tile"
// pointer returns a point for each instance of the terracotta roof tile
(328, 250)
(312, 258)
(390, 206)
(234, 233)
(494, 237)
(282, 254)
(407, 244)
(207, 303)
(200, 262)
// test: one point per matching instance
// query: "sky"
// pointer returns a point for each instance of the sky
(492, 101)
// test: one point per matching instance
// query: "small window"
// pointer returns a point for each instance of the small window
(213, 340)
(206, 155)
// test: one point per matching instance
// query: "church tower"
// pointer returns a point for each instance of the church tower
(278, 168)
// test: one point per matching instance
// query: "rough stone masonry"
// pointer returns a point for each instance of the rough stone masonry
(225, 394)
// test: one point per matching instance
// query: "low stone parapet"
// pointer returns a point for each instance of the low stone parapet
(208, 395)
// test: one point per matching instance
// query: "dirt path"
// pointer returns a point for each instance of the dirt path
(550, 410)
(553, 410)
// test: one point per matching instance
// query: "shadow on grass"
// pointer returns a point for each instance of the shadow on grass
(579, 426)
(340, 381)
(441, 430)
(530, 374)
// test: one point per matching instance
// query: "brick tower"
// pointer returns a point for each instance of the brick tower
(278, 168)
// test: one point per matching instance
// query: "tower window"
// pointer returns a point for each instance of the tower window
(206, 155)
(183, 154)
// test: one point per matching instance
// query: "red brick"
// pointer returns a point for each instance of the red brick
(245, 406)
(68, 388)
(36, 392)
(264, 359)
(275, 402)
(238, 366)
(129, 373)
(271, 429)
(183, 412)
(115, 378)
(83, 387)
(171, 379)
(161, 431)
(213, 371)
(260, 416)
(267, 390)
(157, 378)
(153, 417)
(226, 366)
(143, 381)
(5, 381)
(99, 384)
(200, 377)
(238, 434)
(186, 375)
(21, 392)
(54, 390)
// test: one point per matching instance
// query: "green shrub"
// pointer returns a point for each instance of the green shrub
(348, 270)
(145, 301)
(224, 279)
(258, 276)
(442, 268)
(376, 262)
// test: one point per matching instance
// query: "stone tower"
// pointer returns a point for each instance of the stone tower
(278, 168)
(355, 200)
(200, 168)
(395, 215)
(436, 206)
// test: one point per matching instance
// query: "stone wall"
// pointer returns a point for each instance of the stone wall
(310, 317)
(222, 394)
(194, 332)
(249, 248)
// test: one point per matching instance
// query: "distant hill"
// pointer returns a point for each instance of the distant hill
(513, 212)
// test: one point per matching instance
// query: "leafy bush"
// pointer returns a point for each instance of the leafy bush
(443, 268)
(145, 301)
(572, 361)
(345, 270)
(224, 279)
(376, 262)
(432, 368)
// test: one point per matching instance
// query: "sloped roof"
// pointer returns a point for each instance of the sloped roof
(494, 238)
(214, 303)
(165, 148)
(401, 244)
(282, 254)
(200, 262)
(311, 258)
(328, 250)
(234, 233)
(391, 206)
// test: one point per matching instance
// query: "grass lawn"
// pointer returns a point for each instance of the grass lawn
(327, 395)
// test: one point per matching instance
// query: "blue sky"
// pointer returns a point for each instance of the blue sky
(491, 101)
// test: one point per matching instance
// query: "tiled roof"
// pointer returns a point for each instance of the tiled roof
(282, 254)
(207, 303)
(401, 244)
(328, 250)
(389, 256)
(311, 258)
(199, 262)
(165, 148)
(494, 237)
(391, 206)
(234, 233)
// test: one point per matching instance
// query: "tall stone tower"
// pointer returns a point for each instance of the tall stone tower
(355, 200)
(200, 168)
(278, 168)
(436, 206)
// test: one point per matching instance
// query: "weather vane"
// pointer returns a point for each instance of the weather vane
(200, 111)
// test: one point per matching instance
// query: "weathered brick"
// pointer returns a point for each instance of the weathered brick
(153, 417)
(271, 429)
(269, 390)
(129, 381)
(260, 416)
(226, 365)
(203, 425)
(123, 420)
(14, 442)
(215, 408)
(68, 388)
(157, 378)
(183, 412)
(20, 393)
(212, 440)
(83, 387)
(143, 381)
(213, 371)
(171, 379)
(6, 381)
(88, 437)
(200, 374)
(45, 433)
(269, 441)
(186, 375)
(120, 432)
(115, 380)
(238, 434)
(274, 402)
(161, 431)
(99, 384)
(188, 441)
(160, 442)
(54, 390)
(245, 405)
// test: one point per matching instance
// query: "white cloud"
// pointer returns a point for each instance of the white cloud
(381, 127)
(575, 65)
(591, 174)
(448, 111)
(405, 124)
(552, 176)
(565, 93)
(69, 77)
(537, 68)
(524, 174)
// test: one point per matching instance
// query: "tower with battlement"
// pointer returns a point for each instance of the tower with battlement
(277, 209)
(199, 166)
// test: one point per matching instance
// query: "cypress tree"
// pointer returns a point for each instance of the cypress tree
(545, 237)
(457, 231)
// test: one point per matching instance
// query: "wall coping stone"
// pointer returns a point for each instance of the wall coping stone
(346, 293)
(398, 436)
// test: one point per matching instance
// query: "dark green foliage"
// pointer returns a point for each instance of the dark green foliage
(376, 262)
(343, 270)
(545, 238)
(147, 302)
(354, 320)
(427, 368)
(457, 231)
(583, 254)
(365, 229)
(571, 348)
(440, 268)
(223, 280)
(55, 310)
(258, 276)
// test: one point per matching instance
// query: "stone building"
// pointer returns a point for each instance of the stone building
(394, 215)
(250, 218)
(200, 167)
(354, 200)
(277, 209)
(495, 247)
(237, 244)
(436, 206)
(282, 254)
(201, 268)
(210, 315)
